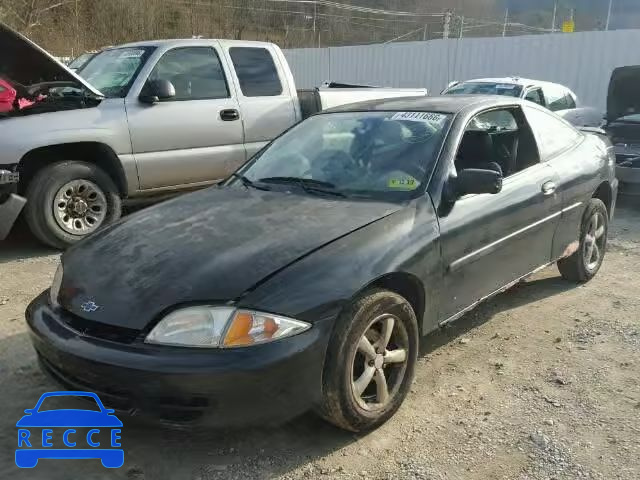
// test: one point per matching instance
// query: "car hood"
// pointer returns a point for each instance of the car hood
(69, 418)
(207, 247)
(25, 63)
(623, 97)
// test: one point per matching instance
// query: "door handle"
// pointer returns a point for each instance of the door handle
(548, 188)
(229, 115)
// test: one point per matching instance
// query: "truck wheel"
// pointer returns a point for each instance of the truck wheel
(69, 200)
(370, 361)
(583, 265)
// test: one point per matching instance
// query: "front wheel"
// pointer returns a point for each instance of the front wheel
(585, 262)
(67, 201)
(370, 361)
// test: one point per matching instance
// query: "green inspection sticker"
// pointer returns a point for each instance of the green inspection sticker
(403, 183)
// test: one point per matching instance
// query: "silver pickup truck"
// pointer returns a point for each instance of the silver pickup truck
(140, 119)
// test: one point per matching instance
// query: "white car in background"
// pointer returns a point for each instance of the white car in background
(553, 96)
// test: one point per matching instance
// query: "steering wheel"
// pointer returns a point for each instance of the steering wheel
(334, 166)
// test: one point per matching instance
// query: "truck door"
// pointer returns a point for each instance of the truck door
(194, 137)
(266, 93)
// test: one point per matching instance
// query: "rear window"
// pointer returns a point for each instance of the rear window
(485, 88)
(256, 71)
(558, 98)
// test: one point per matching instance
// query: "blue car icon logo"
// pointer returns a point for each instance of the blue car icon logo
(36, 433)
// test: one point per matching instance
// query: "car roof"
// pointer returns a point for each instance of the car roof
(177, 42)
(443, 104)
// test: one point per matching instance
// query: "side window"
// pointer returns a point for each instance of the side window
(196, 73)
(535, 96)
(553, 135)
(256, 71)
(558, 98)
(498, 140)
(571, 103)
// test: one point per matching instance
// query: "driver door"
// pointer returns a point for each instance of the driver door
(191, 138)
(489, 241)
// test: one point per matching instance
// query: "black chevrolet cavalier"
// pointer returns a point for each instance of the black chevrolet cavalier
(308, 278)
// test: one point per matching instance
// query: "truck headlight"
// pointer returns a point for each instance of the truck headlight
(210, 327)
(54, 291)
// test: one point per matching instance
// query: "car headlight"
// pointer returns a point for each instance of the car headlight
(54, 291)
(206, 326)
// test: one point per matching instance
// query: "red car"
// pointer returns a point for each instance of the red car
(7, 96)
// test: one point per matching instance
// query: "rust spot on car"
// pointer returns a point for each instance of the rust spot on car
(571, 249)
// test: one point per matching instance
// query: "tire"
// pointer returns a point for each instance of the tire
(44, 220)
(578, 268)
(346, 364)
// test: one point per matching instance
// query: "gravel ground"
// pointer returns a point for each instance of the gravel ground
(543, 382)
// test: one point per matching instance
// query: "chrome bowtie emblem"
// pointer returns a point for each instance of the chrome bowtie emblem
(89, 306)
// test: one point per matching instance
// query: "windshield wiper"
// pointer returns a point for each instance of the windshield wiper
(309, 185)
(248, 183)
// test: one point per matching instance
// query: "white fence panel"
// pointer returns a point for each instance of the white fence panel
(582, 61)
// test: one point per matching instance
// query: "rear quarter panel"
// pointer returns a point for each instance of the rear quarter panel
(581, 171)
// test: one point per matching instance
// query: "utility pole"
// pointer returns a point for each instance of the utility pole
(461, 26)
(506, 22)
(315, 14)
(424, 33)
(609, 15)
(555, 16)
(446, 27)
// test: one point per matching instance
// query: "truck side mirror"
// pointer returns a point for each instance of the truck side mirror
(157, 90)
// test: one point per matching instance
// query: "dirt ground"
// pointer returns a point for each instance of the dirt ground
(543, 382)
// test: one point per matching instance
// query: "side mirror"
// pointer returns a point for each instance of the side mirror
(473, 180)
(157, 90)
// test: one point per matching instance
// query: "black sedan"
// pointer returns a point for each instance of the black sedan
(308, 278)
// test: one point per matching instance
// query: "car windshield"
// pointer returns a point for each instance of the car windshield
(485, 88)
(385, 155)
(61, 402)
(113, 71)
(81, 60)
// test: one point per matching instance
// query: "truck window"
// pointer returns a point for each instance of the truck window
(196, 73)
(256, 72)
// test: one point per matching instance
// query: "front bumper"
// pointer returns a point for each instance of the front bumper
(263, 384)
(10, 204)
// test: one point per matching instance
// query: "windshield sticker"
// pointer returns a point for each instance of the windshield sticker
(131, 54)
(436, 118)
(505, 86)
(403, 183)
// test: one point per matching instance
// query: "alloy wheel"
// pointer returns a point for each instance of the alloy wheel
(594, 242)
(379, 363)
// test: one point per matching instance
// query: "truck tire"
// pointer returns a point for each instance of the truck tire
(66, 201)
(370, 362)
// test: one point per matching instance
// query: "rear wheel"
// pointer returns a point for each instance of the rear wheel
(585, 262)
(67, 201)
(370, 361)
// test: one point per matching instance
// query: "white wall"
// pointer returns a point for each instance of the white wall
(582, 61)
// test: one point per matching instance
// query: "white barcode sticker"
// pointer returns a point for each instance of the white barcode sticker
(431, 117)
